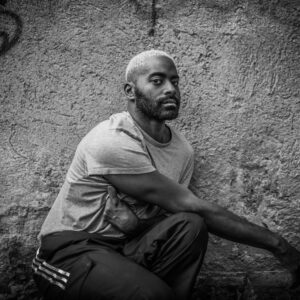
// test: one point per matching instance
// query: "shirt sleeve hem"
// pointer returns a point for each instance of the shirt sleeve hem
(115, 171)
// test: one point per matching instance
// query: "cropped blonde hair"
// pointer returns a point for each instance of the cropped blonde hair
(141, 59)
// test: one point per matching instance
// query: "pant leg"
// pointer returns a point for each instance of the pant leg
(94, 271)
(173, 249)
(114, 277)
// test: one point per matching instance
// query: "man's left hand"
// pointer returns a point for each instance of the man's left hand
(118, 214)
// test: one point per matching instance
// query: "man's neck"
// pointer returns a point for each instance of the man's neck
(156, 129)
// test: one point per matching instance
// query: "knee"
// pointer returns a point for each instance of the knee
(193, 221)
(194, 226)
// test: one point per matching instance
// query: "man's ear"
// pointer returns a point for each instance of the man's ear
(129, 90)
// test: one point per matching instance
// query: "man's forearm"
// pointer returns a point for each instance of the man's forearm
(230, 226)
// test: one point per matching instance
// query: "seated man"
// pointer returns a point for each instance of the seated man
(149, 240)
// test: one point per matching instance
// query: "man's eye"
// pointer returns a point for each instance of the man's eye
(157, 81)
(175, 83)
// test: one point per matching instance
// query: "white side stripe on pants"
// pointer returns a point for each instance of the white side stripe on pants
(52, 274)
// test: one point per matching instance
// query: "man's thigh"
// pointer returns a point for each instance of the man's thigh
(113, 276)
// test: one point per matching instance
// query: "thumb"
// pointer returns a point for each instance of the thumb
(113, 195)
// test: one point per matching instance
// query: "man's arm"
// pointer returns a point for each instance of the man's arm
(157, 189)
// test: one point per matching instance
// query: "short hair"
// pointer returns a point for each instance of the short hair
(141, 59)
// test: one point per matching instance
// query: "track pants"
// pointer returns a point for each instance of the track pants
(161, 263)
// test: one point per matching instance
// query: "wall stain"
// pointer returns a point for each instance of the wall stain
(7, 41)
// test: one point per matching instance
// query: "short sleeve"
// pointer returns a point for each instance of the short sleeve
(116, 152)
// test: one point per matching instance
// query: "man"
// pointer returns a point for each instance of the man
(148, 241)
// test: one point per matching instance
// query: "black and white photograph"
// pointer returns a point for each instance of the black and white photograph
(150, 150)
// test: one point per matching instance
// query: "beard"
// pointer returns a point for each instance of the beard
(154, 109)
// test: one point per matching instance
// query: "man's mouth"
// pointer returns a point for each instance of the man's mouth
(170, 105)
(170, 102)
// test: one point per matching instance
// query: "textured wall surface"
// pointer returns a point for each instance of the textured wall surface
(239, 67)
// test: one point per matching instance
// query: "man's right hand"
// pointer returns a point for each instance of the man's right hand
(290, 259)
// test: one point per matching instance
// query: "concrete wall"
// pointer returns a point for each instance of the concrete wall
(239, 67)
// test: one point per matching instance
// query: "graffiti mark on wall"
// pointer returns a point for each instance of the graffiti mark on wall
(10, 35)
(144, 7)
(153, 18)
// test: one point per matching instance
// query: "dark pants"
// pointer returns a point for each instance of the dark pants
(161, 263)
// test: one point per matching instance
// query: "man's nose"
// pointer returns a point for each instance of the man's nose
(170, 88)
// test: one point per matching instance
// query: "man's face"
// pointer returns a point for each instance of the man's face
(157, 93)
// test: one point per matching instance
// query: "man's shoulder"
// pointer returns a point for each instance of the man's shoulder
(116, 125)
(114, 146)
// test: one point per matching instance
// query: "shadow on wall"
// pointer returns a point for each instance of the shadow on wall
(8, 40)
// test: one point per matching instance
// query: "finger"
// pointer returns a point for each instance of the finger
(113, 195)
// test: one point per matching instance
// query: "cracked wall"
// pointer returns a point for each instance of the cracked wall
(239, 68)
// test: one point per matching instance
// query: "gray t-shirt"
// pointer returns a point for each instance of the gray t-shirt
(115, 146)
